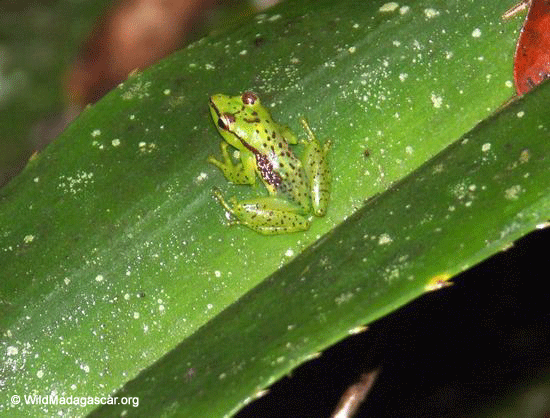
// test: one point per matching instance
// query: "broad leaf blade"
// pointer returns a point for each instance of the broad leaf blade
(113, 250)
(472, 200)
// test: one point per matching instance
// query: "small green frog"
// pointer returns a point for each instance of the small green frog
(296, 188)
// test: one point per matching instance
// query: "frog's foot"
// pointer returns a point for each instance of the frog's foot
(219, 197)
(311, 138)
(241, 173)
(266, 215)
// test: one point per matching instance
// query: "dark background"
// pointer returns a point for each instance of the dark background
(446, 354)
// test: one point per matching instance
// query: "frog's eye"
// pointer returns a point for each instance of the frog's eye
(249, 98)
(225, 120)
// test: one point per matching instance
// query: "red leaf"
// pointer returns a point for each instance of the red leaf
(532, 59)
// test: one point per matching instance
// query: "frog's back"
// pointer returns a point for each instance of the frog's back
(282, 172)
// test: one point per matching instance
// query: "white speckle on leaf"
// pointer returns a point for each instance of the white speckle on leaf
(115, 142)
(167, 92)
(98, 145)
(476, 33)
(486, 147)
(138, 90)
(147, 148)
(524, 156)
(513, 192)
(404, 10)
(343, 298)
(243, 52)
(431, 13)
(384, 239)
(403, 76)
(357, 330)
(352, 49)
(28, 239)
(520, 114)
(99, 278)
(40, 374)
(388, 7)
(543, 225)
(201, 177)
(136, 315)
(289, 252)
(218, 273)
(77, 183)
(96, 132)
(12, 351)
(36, 179)
(436, 100)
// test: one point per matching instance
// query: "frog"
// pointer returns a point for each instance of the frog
(298, 189)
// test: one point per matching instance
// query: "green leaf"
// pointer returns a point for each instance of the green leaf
(116, 260)
(388, 252)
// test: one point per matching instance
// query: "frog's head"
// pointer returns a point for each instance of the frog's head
(237, 118)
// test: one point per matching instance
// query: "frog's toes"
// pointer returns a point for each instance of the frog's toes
(227, 206)
(219, 197)
(212, 160)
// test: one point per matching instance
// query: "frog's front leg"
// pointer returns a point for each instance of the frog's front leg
(287, 134)
(241, 173)
(266, 215)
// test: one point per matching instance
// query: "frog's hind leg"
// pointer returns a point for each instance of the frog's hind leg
(315, 163)
(266, 215)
